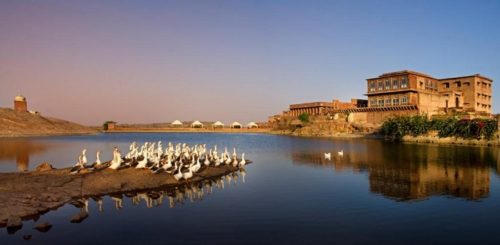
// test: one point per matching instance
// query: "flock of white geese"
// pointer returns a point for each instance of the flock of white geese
(181, 160)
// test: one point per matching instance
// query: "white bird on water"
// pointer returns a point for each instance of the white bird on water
(328, 156)
(340, 153)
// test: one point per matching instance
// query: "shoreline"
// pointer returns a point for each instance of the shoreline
(27, 195)
(406, 139)
(10, 136)
(187, 130)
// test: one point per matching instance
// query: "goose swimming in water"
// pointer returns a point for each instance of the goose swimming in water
(328, 156)
(340, 153)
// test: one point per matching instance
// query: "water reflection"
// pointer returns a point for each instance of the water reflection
(413, 172)
(20, 151)
(153, 198)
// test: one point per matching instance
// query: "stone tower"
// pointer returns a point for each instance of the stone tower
(20, 104)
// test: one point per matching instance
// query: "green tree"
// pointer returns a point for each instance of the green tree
(304, 117)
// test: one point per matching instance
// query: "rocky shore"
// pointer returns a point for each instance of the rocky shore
(27, 195)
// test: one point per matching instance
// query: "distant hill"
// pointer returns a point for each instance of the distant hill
(13, 123)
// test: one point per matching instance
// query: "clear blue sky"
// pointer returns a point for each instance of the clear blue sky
(152, 61)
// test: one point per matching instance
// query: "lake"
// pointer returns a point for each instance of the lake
(377, 192)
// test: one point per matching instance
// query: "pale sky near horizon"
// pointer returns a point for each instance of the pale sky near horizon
(157, 61)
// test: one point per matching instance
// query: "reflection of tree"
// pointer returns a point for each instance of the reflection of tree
(409, 171)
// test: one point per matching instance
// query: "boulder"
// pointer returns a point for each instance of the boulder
(14, 223)
(44, 167)
(43, 227)
(78, 218)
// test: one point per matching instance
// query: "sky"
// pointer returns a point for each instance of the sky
(158, 61)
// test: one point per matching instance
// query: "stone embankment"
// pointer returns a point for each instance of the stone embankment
(26, 195)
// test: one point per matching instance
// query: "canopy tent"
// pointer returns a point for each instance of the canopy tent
(252, 125)
(218, 124)
(197, 124)
(176, 123)
(235, 125)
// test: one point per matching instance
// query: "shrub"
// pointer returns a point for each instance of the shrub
(304, 117)
(398, 127)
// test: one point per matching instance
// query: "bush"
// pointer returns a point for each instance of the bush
(304, 117)
(398, 127)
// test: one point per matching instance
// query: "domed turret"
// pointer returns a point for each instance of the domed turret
(20, 98)
(20, 103)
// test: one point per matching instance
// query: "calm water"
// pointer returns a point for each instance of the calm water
(377, 192)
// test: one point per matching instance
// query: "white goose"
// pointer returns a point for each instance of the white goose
(142, 163)
(340, 153)
(98, 158)
(328, 156)
(206, 162)
(179, 174)
(235, 161)
(187, 175)
(243, 161)
(84, 157)
(117, 159)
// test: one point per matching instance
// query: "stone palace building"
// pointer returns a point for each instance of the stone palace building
(407, 93)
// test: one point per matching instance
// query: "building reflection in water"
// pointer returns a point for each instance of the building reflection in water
(407, 172)
(20, 150)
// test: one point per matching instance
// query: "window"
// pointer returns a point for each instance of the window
(380, 85)
(380, 102)
(404, 84)
(372, 86)
(388, 101)
(373, 102)
(395, 84)
(467, 84)
(458, 84)
(395, 101)
(404, 100)
(387, 84)
(446, 85)
(421, 84)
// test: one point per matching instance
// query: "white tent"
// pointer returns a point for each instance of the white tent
(176, 123)
(197, 124)
(235, 125)
(252, 125)
(218, 124)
